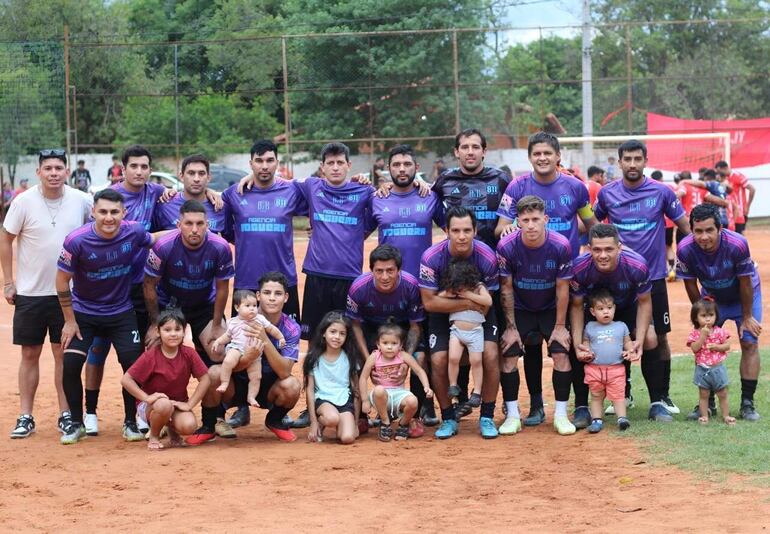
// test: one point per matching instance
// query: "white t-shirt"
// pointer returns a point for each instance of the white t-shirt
(38, 241)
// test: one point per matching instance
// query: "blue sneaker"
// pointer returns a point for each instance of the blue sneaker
(596, 426)
(447, 429)
(582, 417)
(487, 428)
(659, 413)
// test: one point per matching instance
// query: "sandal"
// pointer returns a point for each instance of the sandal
(402, 433)
(386, 433)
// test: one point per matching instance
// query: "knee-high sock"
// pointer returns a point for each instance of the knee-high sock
(73, 385)
(652, 371)
(578, 380)
(561, 381)
(510, 384)
(533, 371)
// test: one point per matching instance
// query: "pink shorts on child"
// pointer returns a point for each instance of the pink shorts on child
(606, 378)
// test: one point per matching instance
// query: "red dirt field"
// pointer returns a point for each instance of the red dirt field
(536, 480)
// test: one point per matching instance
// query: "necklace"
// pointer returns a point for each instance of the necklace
(55, 213)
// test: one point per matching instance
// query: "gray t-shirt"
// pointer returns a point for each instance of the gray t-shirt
(606, 341)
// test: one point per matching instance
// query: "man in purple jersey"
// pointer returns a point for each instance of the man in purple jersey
(638, 205)
(338, 210)
(405, 219)
(389, 292)
(98, 259)
(195, 178)
(278, 390)
(613, 266)
(721, 261)
(535, 269)
(461, 230)
(566, 200)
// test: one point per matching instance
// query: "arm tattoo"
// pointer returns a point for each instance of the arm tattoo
(506, 299)
(65, 298)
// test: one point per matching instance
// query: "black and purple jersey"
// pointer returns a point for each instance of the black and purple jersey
(629, 280)
(368, 305)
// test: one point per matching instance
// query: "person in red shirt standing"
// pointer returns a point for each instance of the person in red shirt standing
(742, 193)
(595, 182)
(115, 173)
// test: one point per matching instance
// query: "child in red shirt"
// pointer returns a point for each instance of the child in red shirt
(164, 372)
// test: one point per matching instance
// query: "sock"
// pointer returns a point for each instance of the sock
(92, 400)
(513, 409)
(561, 409)
(129, 407)
(463, 377)
(533, 370)
(275, 415)
(209, 418)
(561, 382)
(448, 414)
(221, 411)
(487, 409)
(666, 377)
(510, 385)
(578, 380)
(748, 387)
(652, 371)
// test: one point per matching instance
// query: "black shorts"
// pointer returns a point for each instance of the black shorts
(660, 314)
(120, 329)
(438, 327)
(268, 379)
(322, 295)
(536, 327)
(347, 407)
(198, 318)
(669, 236)
(370, 335)
(291, 308)
(33, 317)
(140, 308)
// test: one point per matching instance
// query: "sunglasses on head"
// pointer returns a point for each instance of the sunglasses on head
(55, 152)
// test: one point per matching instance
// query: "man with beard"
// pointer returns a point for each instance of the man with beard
(637, 206)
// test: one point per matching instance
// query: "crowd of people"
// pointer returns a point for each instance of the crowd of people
(136, 264)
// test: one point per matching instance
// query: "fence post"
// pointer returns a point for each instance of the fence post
(286, 109)
(629, 83)
(456, 72)
(67, 85)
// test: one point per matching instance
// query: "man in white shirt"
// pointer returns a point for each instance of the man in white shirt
(41, 218)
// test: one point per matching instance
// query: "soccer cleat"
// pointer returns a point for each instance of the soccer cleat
(447, 429)
(303, 421)
(131, 432)
(64, 420)
(73, 433)
(200, 436)
(748, 412)
(563, 426)
(25, 427)
(487, 428)
(582, 417)
(241, 417)
(595, 426)
(224, 430)
(284, 434)
(623, 424)
(92, 424)
(511, 426)
(671, 276)
(659, 413)
(670, 406)
(536, 416)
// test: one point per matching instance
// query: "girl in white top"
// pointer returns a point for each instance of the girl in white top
(463, 280)
(331, 379)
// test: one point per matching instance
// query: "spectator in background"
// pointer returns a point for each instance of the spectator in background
(742, 194)
(595, 182)
(438, 169)
(612, 169)
(378, 172)
(7, 194)
(23, 186)
(115, 173)
(81, 177)
(507, 170)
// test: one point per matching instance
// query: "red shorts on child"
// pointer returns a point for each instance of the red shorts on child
(607, 378)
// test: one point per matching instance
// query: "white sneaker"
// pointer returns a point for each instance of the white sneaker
(92, 424)
(142, 425)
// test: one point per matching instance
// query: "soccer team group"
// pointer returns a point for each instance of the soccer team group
(137, 264)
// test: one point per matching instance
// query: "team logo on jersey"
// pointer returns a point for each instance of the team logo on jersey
(112, 255)
(491, 190)
(550, 264)
(281, 202)
(404, 212)
(713, 270)
(476, 193)
(193, 269)
(354, 197)
(338, 200)
(154, 261)
(421, 208)
(565, 200)
(427, 274)
(125, 248)
(635, 206)
(624, 286)
(650, 202)
(727, 264)
(208, 265)
(263, 205)
(534, 268)
(65, 258)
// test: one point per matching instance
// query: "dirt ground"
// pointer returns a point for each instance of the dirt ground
(536, 480)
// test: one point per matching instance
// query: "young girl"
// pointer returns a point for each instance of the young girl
(245, 303)
(709, 343)
(462, 280)
(389, 395)
(609, 343)
(330, 369)
(164, 372)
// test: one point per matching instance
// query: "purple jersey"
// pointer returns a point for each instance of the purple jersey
(480, 193)
(291, 332)
(187, 275)
(639, 216)
(260, 221)
(565, 199)
(436, 259)
(166, 215)
(717, 271)
(630, 279)
(368, 305)
(405, 220)
(534, 271)
(338, 218)
(140, 208)
(101, 268)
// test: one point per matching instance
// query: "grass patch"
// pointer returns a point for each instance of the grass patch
(714, 451)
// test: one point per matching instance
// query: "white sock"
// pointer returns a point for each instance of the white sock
(561, 409)
(513, 409)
